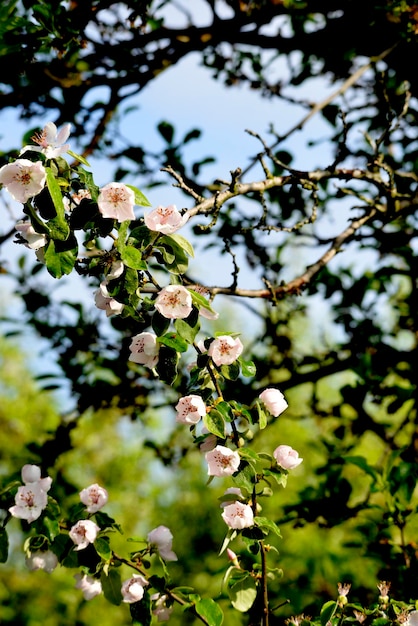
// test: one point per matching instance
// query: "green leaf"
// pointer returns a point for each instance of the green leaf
(58, 226)
(166, 131)
(111, 585)
(215, 423)
(171, 340)
(58, 229)
(175, 257)
(248, 368)
(159, 324)
(210, 611)
(103, 548)
(167, 364)
(182, 243)
(4, 545)
(52, 528)
(267, 525)
(231, 372)
(140, 199)
(327, 612)
(361, 462)
(189, 327)
(242, 591)
(132, 257)
(262, 416)
(60, 257)
(78, 158)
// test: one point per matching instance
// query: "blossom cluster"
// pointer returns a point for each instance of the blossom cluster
(32, 499)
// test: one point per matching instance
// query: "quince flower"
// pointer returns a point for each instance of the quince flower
(30, 501)
(23, 179)
(190, 409)
(224, 350)
(31, 238)
(94, 497)
(32, 474)
(238, 515)
(83, 533)
(144, 349)
(106, 302)
(222, 461)
(50, 141)
(165, 220)
(117, 201)
(274, 401)
(286, 457)
(133, 589)
(116, 269)
(45, 560)
(160, 540)
(91, 587)
(174, 302)
(161, 610)
(412, 619)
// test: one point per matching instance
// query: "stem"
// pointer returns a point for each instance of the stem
(265, 617)
(169, 593)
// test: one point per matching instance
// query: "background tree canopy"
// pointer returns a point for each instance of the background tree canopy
(314, 260)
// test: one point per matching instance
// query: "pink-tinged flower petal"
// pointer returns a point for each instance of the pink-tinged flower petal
(165, 220)
(222, 461)
(232, 491)
(238, 515)
(274, 401)
(23, 179)
(94, 497)
(46, 560)
(190, 409)
(49, 141)
(160, 540)
(174, 302)
(161, 610)
(90, 587)
(30, 501)
(224, 350)
(133, 589)
(33, 240)
(107, 303)
(30, 473)
(116, 201)
(83, 533)
(144, 349)
(286, 457)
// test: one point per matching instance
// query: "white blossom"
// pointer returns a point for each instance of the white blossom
(33, 240)
(90, 587)
(144, 349)
(83, 533)
(287, 457)
(50, 141)
(160, 540)
(117, 201)
(274, 401)
(224, 350)
(174, 302)
(45, 560)
(165, 220)
(94, 497)
(190, 409)
(222, 461)
(23, 179)
(30, 501)
(133, 589)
